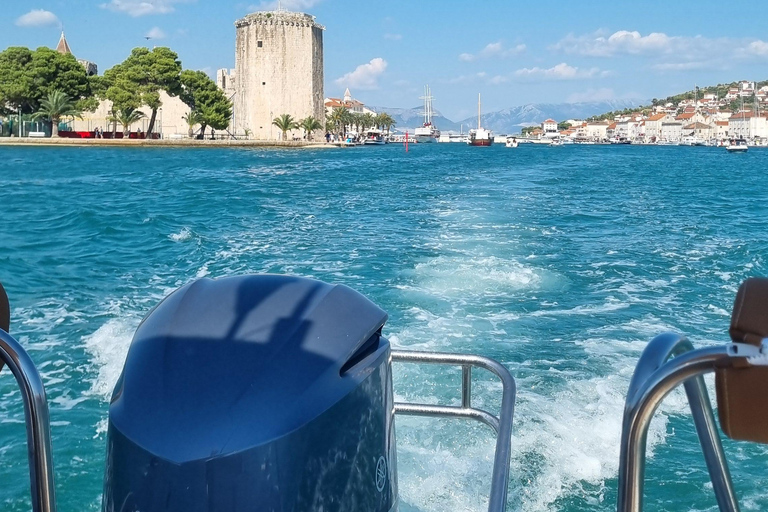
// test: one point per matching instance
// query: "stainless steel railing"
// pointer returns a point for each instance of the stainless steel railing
(37, 422)
(666, 362)
(501, 424)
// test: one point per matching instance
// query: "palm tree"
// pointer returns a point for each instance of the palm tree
(55, 107)
(386, 121)
(368, 121)
(309, 125)
(284, 123)
(192, 118)
(127, 117)
(344, 117)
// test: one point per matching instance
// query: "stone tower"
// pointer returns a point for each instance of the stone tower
(278, 69)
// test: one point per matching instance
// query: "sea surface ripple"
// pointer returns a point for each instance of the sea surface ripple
(559, 262)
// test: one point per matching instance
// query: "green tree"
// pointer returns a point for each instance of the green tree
(284, 123)
(139, 79)
(53, 71)
(563, 126)
(27, 77)
(55, 107)
(16, 80)
(204, 97)
(310, 125)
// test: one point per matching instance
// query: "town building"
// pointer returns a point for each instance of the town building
(549, 128)
(748, 125)
(226, 80)
(63, 47)
(653, 126)
(348, 102)
(671, 131)
(690, 117)
(598, 131)
(278, 70)
(701, 130)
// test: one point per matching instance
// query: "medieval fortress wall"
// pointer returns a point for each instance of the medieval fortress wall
(278, 70)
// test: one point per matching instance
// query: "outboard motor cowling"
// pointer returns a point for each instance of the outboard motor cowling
(254, 393)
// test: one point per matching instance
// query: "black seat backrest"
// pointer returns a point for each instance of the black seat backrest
(5, 310)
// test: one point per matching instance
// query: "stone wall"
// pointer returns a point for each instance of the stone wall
(279, 70)
(169, 120)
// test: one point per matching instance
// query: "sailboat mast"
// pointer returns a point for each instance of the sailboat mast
(478, 111)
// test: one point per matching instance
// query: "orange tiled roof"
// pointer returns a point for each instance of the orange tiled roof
(657, 117)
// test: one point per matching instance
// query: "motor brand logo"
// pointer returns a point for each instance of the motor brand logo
(381, 474)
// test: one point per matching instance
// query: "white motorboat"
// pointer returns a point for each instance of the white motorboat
(374, 137)
(511, 142)
(737, 146)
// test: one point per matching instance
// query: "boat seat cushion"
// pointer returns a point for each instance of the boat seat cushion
(5, 311)
(742, 390)
(5, 314)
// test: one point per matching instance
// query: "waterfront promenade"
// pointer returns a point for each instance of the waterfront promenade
(186, 143)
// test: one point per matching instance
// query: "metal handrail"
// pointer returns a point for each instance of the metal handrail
(501, 424)
(36, 420)
(656, 375)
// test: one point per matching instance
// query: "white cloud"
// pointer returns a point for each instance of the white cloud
(155, 33)
(138, 8)
(288, 5)
(393, 37)
(561, 71)
(681, 66)
(624, 42)
(492, 50)
(365, 76)
(603, 94)
(758, 47)
(37, 18)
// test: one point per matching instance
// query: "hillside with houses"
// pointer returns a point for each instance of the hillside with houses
(705, 115)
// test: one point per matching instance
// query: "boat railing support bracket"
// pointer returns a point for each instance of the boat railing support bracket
(668, 361)
(502, 424)
(36, 420)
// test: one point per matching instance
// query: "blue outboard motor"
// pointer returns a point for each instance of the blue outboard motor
(254, 393)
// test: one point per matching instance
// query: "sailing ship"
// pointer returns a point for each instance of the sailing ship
(427, 132)
(480, 136)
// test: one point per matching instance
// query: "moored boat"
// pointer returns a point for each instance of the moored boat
(374, 137)
(737, 146)
(427, 132)
(479, 136)
(511, 142)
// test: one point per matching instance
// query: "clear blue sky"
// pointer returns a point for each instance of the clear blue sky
(512, 52)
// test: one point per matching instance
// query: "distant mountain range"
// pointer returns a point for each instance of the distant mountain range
(511, 120)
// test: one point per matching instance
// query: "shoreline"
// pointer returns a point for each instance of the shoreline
(182, 143)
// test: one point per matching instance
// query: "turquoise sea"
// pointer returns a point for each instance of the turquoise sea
(559, 262)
